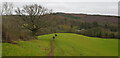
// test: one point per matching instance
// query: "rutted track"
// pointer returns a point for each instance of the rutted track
(51, 49)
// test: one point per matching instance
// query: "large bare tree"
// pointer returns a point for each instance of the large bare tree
(7, 8)
(32, 16)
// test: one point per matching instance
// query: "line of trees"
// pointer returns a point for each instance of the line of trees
(94, 29)
(25, 24)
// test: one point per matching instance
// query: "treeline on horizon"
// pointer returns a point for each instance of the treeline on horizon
(15, 28)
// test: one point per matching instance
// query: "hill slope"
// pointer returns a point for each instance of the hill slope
(91, 18)
(65, 44)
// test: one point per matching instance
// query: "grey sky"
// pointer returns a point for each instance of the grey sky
(61, 0)
(104, 7)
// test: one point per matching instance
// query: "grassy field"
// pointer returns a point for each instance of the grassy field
(0, 49)
(65, 44)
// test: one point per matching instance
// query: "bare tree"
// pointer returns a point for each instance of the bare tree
(7, 8)
(32, 16)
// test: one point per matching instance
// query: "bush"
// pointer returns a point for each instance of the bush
(12, 31)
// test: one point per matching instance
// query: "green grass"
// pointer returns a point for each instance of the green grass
(26, 48)
(0, 49)
(66, 44)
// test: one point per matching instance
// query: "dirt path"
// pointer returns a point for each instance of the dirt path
(51, 48)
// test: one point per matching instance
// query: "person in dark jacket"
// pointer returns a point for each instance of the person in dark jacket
(55, 34)
(53, 37)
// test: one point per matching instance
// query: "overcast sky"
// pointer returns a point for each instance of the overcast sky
(60, 0)
(103, 7)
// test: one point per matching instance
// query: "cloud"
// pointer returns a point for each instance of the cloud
(110, 8)
(60, 0)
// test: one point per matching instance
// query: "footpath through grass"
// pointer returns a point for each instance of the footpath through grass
(65, 44)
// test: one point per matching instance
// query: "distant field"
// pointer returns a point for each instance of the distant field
(65, 44)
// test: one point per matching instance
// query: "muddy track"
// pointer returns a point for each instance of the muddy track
(51, 49)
